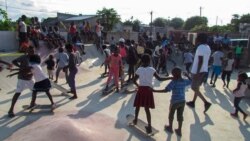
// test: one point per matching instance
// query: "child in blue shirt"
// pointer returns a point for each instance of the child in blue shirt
(177, 86)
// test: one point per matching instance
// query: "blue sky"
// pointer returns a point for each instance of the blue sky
(139, 9)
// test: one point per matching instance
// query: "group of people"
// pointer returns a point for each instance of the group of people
(29, 67)
(139, 58)
(200, 66)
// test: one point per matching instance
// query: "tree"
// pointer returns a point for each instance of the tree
(195, 21)
(177, 23)
(221, 29)
(135, 24)
(5, 22)
(235, 21)
(245, 18)
(160, 22)
(200, 28)
(109, 18)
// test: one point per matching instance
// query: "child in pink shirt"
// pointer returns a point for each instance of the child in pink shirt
(115, 64)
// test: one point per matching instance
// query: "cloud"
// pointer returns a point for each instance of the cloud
(28, 4)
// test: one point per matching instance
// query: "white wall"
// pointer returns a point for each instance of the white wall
(8, 41)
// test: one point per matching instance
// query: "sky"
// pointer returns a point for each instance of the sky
(222, 10)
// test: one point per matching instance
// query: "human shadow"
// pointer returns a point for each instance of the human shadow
(24, 118)
(96, 102)
(197, 129)
(89, 84)
(22, 96)
(244, 129)
(121, 122)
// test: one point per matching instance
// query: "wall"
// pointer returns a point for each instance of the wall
(8, 41)
(125, 35)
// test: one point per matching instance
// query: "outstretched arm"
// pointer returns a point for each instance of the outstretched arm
(156, 75)
(135, 80)
(10, 75)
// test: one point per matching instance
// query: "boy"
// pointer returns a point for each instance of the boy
(177, 86)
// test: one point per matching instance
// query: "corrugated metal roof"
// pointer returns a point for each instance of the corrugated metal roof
(79, 18)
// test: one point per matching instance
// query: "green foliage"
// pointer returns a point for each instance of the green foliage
(109, 18)
(128, 22)
(135, 24)
(200, 28)
(195, 21)
(221, 29)
(160, 22)
(5, 22)
(177, 23)
(245, 18)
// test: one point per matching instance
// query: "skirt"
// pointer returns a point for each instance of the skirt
(42, 86)
(144, 98)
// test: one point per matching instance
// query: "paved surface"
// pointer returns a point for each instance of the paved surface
(216, 125)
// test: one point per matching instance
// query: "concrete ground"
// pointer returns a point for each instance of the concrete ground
(216, 125)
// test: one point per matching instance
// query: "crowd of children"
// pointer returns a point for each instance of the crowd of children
(139, 58)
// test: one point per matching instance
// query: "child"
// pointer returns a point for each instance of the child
(144, 97)
(188, 60)
(239, 93)
(50, 66)
(107, 55)
(217, 57)
(177, 86)
(42, 83)
(115, 64)
(228, 69)
(162, 61)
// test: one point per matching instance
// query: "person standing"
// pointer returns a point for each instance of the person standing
(62, 60)
(217, 58)
(238, 53)
(24, 78)
(22, 30)
(144, 96)
(188, 60)
(72, 66)
(228, 69)
(199, 69)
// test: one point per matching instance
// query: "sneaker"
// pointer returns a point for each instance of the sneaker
(207, 106)
(234, 115)
(11, 115)
(168, 129)
(191, 104)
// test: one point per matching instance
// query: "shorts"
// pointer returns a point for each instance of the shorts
(24, 84)
(43, 85)
(196, 82)
(217, 70)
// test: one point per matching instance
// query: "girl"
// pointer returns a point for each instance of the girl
(239, 93)
(115, 64)
(228, 69)
(42, 83)
(144, 97)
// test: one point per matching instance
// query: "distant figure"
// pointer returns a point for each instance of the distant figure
(22, 30)
(50, 66)
(62, 61)
(239, 93)
(227, 69)
(199, 69)
(238, 55)
(144, 96)
(177, 86)
(217, 58)
(188, 60)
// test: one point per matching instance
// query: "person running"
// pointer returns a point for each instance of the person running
(72, 70)
(177, 86)
(50, 66)
(217, 58)
(188, 60)
(199, 69)
(42, 83)
(228, 69)
(239, 93)
(144, 96)
(115, 64)
(24, 77)
(62, 60)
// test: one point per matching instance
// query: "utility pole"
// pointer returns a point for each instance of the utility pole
(216, 20)
(6, 6)
(200, 11)
(151, 22)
